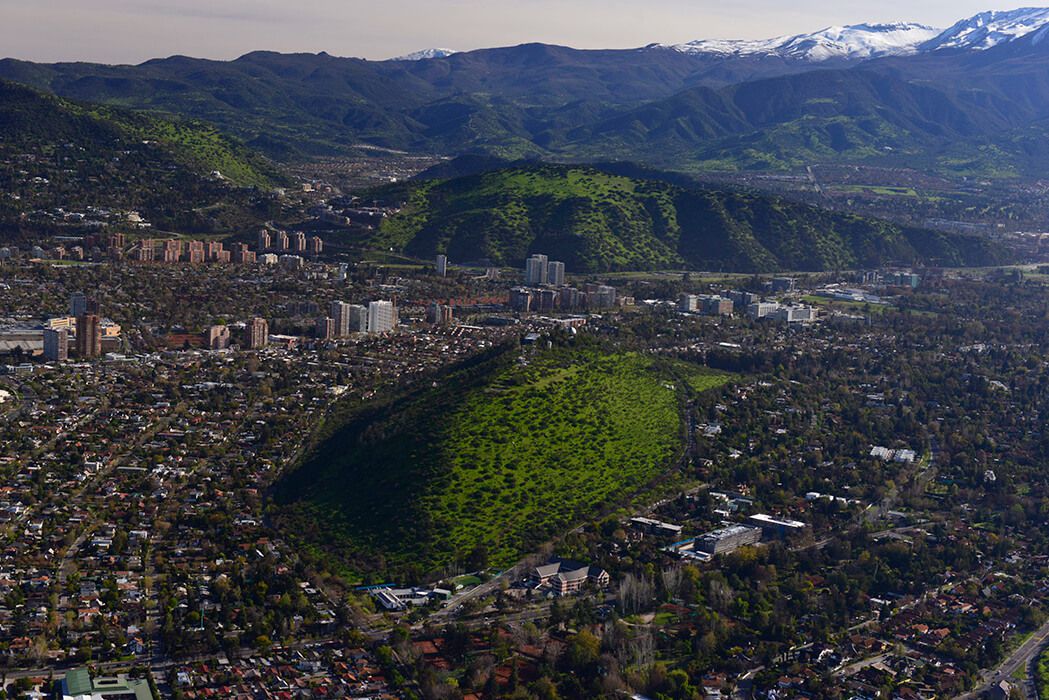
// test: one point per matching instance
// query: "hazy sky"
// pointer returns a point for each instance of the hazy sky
(130, 31)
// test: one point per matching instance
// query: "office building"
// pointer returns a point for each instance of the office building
(716, 306)
(728, 539)
(218, 337)
(776, 527)
(257, 333)
(441, 265)
(555, 273)
(56, 344)
(340, 312)
(761, 309)
(742, 299)
(264, 240)
(325, 328)
(794, 314)
(382, 316)
(88, 336)
(79, 685)
(536, 270)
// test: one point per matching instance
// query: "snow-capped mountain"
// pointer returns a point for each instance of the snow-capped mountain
(858, 41)
(426, 54)
(989, 29)
(862, 41)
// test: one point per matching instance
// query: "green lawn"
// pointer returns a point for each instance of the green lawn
(855, 306)
(486, 468)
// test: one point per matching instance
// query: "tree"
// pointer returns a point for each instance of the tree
(583, 651)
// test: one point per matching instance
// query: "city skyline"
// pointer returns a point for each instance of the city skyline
(133, 31)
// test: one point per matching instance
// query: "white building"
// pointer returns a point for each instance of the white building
(688, 303)
(794, 314)
(537, 269)
(382, 316)
(761, 309)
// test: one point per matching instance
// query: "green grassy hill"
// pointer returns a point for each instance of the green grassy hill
(57, 153)
(597, 221)
(489, 464)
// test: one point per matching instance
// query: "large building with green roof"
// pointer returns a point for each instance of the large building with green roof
(79, 685)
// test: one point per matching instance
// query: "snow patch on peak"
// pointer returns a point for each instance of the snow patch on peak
(989, 29)
(858, 41)
(426, 54)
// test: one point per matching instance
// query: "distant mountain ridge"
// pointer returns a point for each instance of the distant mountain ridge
(864, 41)
(971, 101)
(860, 41)
(989, 29)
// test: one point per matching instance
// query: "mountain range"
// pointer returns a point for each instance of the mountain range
(858, 41)
(863, 41)
(971, 100)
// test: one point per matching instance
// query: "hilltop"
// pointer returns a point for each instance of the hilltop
(55, 153)
(597, 221)
(492, 461)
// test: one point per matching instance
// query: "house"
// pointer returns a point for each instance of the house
(1001, 690)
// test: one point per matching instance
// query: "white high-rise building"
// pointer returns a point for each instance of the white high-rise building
(536, 270)
(442, 265)
(382, 316)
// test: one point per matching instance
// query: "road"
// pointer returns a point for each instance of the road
(1018, 659)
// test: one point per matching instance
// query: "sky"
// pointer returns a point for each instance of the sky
(132, 31)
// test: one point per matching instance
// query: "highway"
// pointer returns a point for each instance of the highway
(1020, 658)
